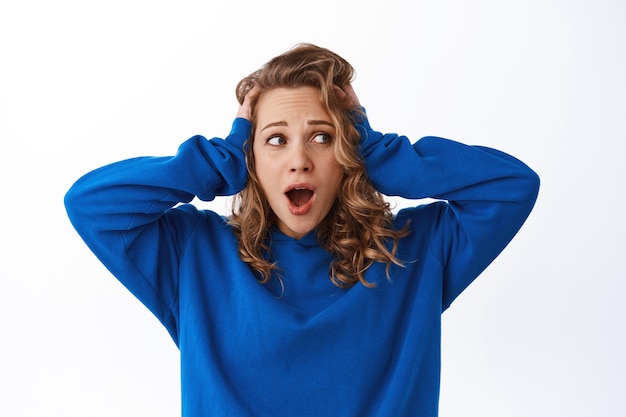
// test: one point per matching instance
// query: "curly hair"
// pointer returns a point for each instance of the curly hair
(358, 230)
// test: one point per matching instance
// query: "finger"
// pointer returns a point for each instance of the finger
(339, 91)
(350, 93)
(347, 93)
(245, 109)
(254, 91)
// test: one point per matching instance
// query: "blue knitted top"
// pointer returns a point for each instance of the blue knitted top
(248, 349)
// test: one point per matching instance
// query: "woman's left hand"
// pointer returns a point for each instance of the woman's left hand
(347, 91)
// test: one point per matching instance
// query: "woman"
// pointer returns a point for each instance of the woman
(311, 299)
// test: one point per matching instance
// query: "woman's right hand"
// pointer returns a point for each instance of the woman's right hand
(245, 109)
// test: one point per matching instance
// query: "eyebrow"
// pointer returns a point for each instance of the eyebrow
(309, 122)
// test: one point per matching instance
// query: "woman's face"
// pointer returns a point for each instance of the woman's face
(294, 158)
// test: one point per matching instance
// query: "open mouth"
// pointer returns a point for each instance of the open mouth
(299, 196)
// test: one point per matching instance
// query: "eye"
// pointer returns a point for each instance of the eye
(322, 138)
(275, 141)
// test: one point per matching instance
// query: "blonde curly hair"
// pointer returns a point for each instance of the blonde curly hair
(358, 229)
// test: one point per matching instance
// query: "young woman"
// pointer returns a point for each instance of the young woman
(311, 299)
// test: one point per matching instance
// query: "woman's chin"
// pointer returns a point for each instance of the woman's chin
(296, 231)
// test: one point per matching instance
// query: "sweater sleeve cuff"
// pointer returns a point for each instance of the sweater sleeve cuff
(369, 137)
(239, 133)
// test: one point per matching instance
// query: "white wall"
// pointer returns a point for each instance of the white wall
(541, 333)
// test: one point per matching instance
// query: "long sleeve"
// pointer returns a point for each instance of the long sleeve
(122, 212)
(486, 197)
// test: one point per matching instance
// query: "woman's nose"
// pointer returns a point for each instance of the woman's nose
(300, 160)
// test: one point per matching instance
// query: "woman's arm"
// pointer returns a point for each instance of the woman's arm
(487, 196)
(122, 212)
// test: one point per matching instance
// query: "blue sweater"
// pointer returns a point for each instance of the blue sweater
(318, 350)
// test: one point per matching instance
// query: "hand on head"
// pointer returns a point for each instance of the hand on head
(348, 92)
(245, 109)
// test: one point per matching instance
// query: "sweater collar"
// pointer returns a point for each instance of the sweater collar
(308, 240)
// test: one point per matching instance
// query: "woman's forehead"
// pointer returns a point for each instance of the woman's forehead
(281, 104)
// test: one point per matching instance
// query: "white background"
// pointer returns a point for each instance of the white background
(85, 83)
